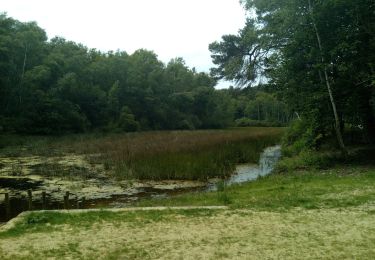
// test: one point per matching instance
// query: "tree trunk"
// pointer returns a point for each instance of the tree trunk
(22, 75)
(24, 62)
(328, 84)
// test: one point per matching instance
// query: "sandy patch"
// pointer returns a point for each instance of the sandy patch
(245, 234)
(363, 191)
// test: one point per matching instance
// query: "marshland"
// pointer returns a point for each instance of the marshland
(216, 130)
(115, 169)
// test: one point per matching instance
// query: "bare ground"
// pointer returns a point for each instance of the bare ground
(236, 234)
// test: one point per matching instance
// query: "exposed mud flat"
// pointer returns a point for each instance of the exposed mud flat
(88, 180)
(74, 173)
(82, 177)
(27, 165)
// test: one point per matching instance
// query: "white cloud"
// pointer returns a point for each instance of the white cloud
(171, 28)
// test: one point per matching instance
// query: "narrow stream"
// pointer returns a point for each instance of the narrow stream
(122, 198)
(250, 172)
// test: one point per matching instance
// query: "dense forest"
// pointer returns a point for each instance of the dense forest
(57, 86)
(318, 56)
(317, 59)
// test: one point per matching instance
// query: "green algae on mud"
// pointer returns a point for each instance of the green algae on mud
(114, 170)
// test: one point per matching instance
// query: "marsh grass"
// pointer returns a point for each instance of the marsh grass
(337, 187)
(158, 155)
(186, 154)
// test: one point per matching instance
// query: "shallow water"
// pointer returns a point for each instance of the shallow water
(250, 172)
(100, 193)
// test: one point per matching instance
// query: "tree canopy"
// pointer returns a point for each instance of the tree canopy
(58, 86)
(317, 55)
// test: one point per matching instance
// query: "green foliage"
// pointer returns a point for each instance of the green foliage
(324, 159)
(266, 107)
(59, 86)
(298, 137)
(235, 56)
(307, 159)
(127, 121)
(280, 42)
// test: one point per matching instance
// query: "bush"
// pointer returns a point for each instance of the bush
(299, 137)
(127, 121)
(306, 159)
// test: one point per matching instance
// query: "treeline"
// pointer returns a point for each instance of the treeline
(258, 106)
(319, 56)
(59, 86)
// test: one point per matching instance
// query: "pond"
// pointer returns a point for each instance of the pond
(102, 192)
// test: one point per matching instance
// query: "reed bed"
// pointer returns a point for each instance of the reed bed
(159, 155)
(189, 155)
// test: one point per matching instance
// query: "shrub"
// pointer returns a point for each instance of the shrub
(309, 159)
(127, 121)
(300, 136)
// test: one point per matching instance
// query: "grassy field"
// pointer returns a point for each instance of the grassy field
(162, 155)
(302, 214)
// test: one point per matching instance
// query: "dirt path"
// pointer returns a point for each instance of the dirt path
(239, 234)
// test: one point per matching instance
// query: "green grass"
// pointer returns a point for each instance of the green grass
(339, 187)
(42, 222)
(336, 188)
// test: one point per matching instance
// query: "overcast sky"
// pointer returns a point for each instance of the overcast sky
(171, 28)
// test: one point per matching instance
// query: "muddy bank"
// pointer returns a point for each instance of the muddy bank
(79, 174)
(90, 184)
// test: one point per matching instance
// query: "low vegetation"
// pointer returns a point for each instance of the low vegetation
(309, 187)
(267, 218)
(187, 155)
